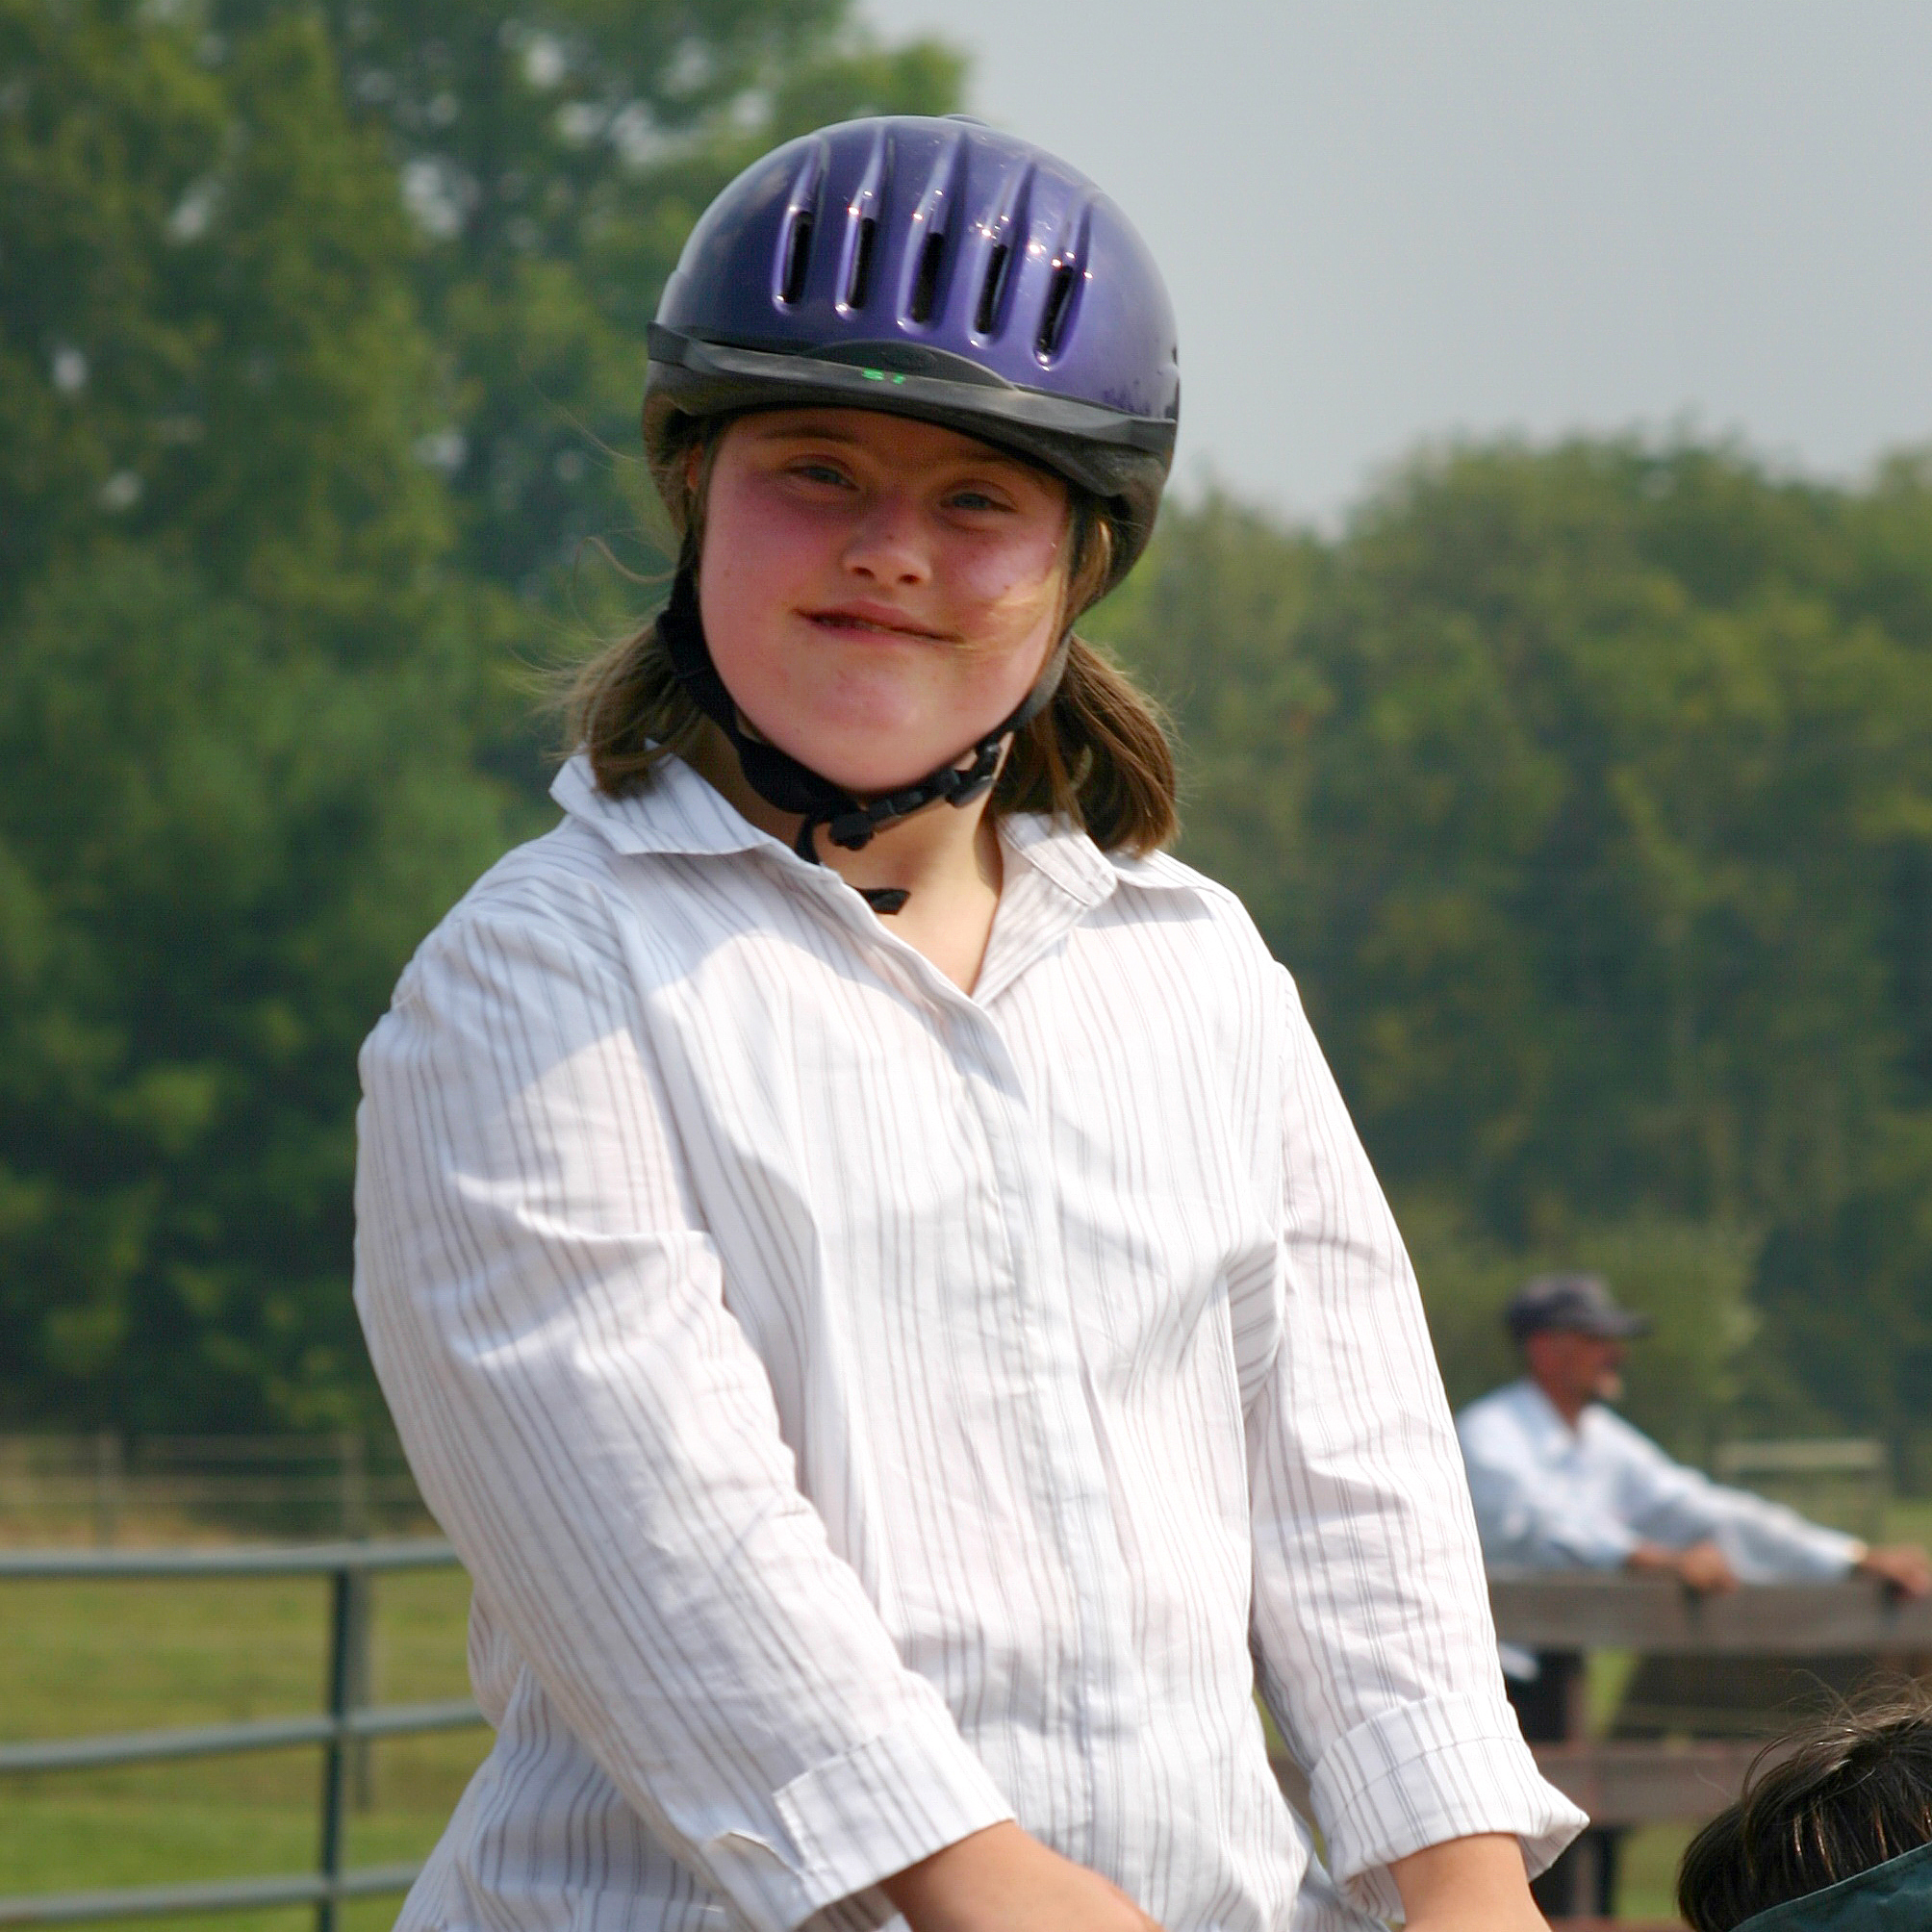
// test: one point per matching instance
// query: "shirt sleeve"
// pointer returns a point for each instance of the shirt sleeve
(599, 1438)
(1668, 1503)
(1523, 1518)
(1371, 1620)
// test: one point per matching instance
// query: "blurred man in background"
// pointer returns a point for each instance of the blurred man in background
(1560, 1482)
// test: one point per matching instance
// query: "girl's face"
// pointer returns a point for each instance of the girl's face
(878, 592)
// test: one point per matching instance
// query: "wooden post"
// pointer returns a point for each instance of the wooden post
(108, 1467)
(352, 1474)
(1554, 1711)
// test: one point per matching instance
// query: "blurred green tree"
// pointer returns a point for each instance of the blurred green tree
(239, 690)
(1589, 792)
(310, 323)
(214, 853)
(553, 157)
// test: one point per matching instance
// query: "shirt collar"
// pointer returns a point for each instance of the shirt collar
(675, 812)
(1071, 860)
(1546, 1419)
(679, 813)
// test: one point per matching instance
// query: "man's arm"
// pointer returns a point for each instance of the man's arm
(1703, 1566)
(1905, 1567)
(1714, 1536)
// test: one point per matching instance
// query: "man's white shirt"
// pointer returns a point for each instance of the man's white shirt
(1548, 1496)
(869, 1411)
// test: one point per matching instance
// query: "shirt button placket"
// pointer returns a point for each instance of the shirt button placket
(1098, 1698)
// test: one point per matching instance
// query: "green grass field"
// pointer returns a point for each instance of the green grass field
(83, 1658)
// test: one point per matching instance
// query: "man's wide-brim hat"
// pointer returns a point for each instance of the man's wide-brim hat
(1571, 1305)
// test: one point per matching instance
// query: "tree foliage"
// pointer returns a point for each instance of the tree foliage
(554, 158)
(311, 323)
(1589, 792)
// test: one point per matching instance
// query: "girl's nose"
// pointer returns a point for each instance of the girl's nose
(887, 545)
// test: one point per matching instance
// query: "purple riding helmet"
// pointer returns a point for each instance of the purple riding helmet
(934, 268)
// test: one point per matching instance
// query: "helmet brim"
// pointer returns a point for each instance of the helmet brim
(1122, 459)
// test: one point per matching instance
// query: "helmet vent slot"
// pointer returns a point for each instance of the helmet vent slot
(1054, 318)
(990, 291)
(861, 265)
(925, 286)
(798, 258)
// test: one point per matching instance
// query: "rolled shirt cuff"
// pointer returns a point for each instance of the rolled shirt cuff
(857, 1818)
(1424, 1773)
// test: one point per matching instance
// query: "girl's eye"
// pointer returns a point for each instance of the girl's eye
(820, 473)
(975, 499)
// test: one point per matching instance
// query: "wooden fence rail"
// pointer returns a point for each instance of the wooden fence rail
(1586, 1611)
(250, 1486)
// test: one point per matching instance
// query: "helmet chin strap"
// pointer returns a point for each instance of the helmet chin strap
(782, 781)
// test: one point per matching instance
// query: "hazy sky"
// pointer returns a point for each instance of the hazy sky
(1387, 222)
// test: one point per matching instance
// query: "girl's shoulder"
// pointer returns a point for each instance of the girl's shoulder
(551, 893)
(1162, 872)
(1177, 936)
(1152, 885)
(581, 879)
(1162, 891)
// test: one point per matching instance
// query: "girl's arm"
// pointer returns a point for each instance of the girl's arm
(1468, 1885)
(1002, 1880)
(598, 1438)
(1371, 1616)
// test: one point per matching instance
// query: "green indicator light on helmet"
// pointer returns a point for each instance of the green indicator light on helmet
(880, 375)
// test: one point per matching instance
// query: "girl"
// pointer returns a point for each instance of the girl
(868, 1262)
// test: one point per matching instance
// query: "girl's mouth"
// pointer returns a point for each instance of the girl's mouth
(869, 620)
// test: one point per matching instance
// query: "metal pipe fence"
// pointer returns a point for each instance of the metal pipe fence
(1560, 1617)
(345, 1723)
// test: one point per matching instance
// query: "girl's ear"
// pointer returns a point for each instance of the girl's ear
(695, 473)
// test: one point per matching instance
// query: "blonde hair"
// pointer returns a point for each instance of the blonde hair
(1098, 755)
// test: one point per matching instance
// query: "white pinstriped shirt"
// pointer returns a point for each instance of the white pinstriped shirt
(870, 1412)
